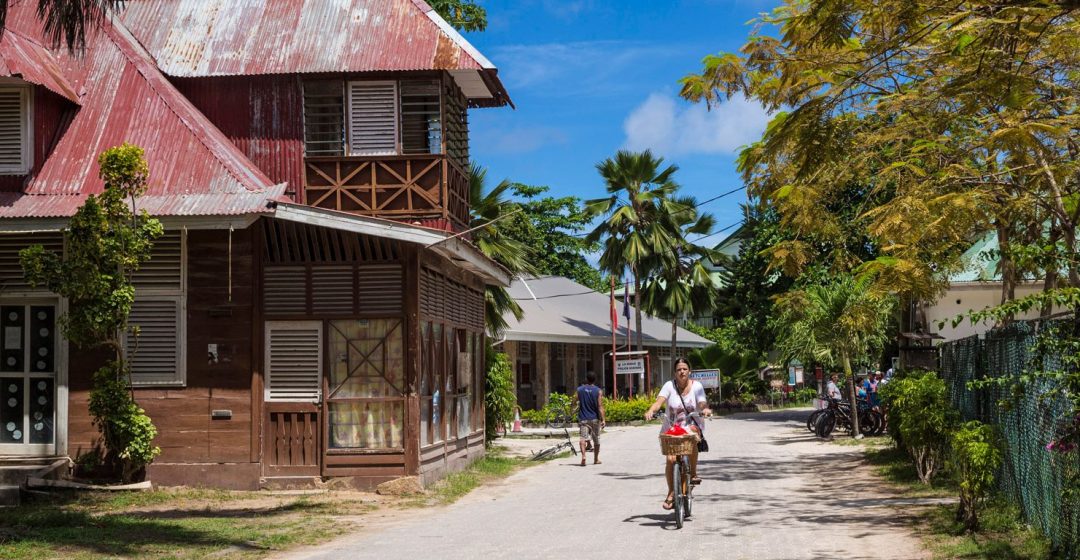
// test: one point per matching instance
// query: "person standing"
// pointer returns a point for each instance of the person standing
(590, 403)
(833, 391)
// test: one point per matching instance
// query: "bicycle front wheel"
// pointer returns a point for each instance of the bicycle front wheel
(680, 494)
(688, 496)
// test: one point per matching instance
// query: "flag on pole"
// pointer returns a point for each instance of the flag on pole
(626, 302)
(614, 314)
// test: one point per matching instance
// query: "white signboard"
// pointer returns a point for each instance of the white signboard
(709, 378)
(633, 366)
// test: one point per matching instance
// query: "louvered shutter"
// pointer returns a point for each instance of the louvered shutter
(372, 118)
(164, 269)
(11, 272)
(293, 361)
(14, 110)
(155, 356)
(379, 288)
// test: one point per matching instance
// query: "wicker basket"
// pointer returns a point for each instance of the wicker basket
(677, 445)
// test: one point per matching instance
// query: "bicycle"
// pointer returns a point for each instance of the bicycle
(554, 450)
(682, 447)
(560, 414)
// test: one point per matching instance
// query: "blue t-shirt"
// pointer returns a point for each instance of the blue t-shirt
(589, 400)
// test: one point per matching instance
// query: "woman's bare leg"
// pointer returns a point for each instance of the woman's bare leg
(669, 471)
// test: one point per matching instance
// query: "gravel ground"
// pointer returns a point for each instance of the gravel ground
(771, 491)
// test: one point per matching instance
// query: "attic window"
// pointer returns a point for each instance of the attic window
(14, 129)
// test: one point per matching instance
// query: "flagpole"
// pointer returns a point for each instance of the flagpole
(629, 335)
(614, 326)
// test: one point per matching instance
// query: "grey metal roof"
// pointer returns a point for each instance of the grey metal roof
(558, 309)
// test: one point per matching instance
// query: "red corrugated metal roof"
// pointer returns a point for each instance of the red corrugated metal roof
(201, 38)
(194, 168)
(24, 58)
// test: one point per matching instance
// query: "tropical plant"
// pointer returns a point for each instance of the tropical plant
(921, 417)
(488, 208)
(464, 15)
(738, 371)
(840, 321)
(637, 190)
(974, 459)
(106, 242)
(679, 282)
(499, 397)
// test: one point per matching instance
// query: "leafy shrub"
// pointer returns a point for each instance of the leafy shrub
(805, 395)
(627, 410)
(534, 416)
(920, 414)
(499, 397)
(126, 430)
(974, 458)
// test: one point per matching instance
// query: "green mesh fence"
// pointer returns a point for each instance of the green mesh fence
(1027, 419)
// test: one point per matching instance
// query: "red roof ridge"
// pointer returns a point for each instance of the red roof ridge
(237, 164)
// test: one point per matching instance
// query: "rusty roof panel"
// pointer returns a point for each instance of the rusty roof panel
(194, 168)
(24, 58)
(201, 38)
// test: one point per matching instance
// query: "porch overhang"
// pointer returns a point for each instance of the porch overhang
(457, 250)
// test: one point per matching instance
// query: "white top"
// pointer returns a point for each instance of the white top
(675, 406)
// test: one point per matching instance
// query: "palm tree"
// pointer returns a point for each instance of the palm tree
(486, 209)
(679, 284)
(637, 189)
(66, 21)
(838, 321)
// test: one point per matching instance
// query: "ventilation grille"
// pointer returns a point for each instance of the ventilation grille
(331, 289)
(380, 289)
(372, 118)
(285, 290)
(13, 129)
(11, 272)
(164, 269)
(154, 355)
(324, 122)
(294, 361)
(453, 302)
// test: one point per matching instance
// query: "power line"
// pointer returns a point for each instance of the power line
(687, 209)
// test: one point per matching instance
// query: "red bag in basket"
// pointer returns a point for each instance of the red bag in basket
(676, 430)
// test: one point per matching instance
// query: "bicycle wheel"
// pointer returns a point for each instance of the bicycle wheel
(824, 425)
(812, 419)
(677, 482)
(689, 496)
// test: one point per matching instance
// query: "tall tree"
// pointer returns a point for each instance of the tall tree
(840, 320)
(679, 283)
(637, 189)
(489, 208)
(67, 21)
(464, 15)
(960, 118)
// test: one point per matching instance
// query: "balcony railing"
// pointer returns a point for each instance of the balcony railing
(417, 187)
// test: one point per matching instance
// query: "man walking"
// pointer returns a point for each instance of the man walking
(590, 415)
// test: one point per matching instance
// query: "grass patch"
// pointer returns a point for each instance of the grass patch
(1002, 535)
(492, 466)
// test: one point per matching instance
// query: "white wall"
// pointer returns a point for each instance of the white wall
(970, 296)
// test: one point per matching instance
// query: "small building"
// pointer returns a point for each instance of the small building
(566, 333)
(312, 310)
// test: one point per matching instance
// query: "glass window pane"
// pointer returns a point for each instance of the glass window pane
(12, 405)
(12, 351)
(366, 425)
(42, 338)
(42, 410)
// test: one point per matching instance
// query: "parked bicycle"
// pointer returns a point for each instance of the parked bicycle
(549, 452)
(560, 412)
(838, 413)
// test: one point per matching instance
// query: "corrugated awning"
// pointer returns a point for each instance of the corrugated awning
(25, 59)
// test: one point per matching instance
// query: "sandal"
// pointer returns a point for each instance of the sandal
(695, 480)
(669, 504)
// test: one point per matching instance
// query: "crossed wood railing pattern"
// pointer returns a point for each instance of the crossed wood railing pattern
(398, 187)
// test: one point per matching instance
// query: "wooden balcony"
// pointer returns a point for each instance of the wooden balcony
(426, 187)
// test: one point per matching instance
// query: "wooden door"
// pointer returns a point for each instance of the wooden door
(293, 394)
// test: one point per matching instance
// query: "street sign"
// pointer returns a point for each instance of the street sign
(635, 366)
(709, 378)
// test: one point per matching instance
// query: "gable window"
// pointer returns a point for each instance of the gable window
(157, 356)
(15, 134)
(385, 117)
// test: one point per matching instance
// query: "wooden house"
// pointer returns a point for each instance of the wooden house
(315, 308)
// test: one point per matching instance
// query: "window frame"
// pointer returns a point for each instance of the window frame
(26, 111)
(178, 296)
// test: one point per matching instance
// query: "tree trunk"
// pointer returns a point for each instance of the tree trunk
(851, 394)
(674, 329)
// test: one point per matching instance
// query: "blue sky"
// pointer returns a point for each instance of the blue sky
(591, 77)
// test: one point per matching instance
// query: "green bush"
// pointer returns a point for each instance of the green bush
(627, 410)
(805, 395)
(534, 416)
(499, 397)
(127, 432)
(920, 414)
(973, 459)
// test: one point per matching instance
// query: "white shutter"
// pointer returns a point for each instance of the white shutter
(156, 357)
(14, 142)
(164, 270)
(373, 118)
(293, 361)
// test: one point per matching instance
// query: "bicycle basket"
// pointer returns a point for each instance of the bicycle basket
(677, 445)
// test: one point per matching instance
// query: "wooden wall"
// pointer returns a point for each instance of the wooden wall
(186, 432)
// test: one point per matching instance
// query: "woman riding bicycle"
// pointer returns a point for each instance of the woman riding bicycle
(681, 395)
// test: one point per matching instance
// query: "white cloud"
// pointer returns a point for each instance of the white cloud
(670, 126)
